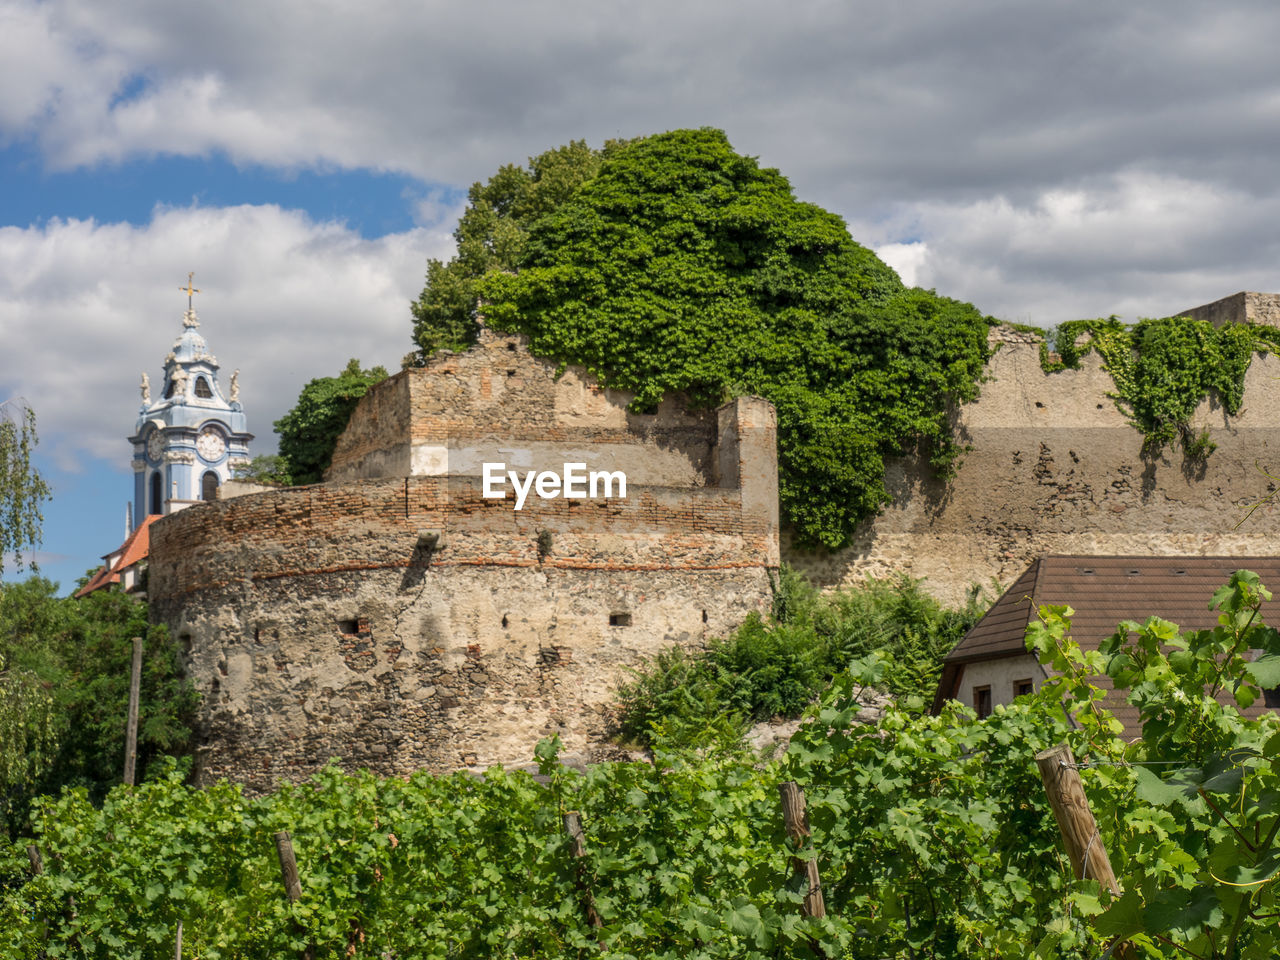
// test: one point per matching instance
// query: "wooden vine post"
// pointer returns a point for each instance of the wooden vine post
(131, 731)
(1079, 829)
(33, 854)
(577, 849)
(797, 823)
(289, 873)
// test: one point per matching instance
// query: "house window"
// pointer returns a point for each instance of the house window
(209, 486)
(157, 495)
(982, 701)
(202, 388)
(1271, 698)
(1023, 687)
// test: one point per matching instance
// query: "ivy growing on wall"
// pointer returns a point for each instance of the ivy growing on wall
(1164, 368)
(672, 264)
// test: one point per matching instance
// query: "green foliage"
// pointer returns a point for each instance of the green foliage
(1164, 368)
(672, 264)
(1196, 847)
(21, 487)
(68, 664)
(492, 235)
(931, 834)
(268, 468)
(682, 266)
(28, 733)
(776, 668)
(310, 430)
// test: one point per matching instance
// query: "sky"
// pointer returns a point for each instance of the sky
(1044, 161)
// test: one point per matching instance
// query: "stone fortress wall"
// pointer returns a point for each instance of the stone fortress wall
(397, 618)
(1054, 468)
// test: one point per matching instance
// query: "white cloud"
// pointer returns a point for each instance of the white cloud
(1135, 244)
(905, 258)
(86, 307)
(1044, 161)
(857, 101)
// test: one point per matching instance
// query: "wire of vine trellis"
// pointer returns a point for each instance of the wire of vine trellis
(1123, 763)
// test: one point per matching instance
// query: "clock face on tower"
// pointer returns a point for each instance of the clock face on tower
(155, 445)
(210, 445)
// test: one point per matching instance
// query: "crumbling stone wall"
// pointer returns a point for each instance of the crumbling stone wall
(1055, 468)
(398, 619)
(496, 402)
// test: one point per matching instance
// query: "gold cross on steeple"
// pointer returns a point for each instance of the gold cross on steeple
(190, 289)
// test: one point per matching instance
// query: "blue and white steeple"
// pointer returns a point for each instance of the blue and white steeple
(189, 440)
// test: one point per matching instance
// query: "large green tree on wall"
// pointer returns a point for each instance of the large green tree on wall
(492, 235)
(310, 430)
(673, 263)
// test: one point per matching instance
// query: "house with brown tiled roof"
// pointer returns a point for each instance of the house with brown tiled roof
(125, 564)
(990, 665)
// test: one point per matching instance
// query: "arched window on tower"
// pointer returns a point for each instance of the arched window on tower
(157, 493)
(202, 388)
(209, 486)
(168, 391)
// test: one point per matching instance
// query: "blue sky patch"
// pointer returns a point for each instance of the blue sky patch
(373, 204)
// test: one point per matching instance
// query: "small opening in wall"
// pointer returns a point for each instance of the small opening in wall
(1179, 573)
(704, 616)
(504, 621)
(351, 627)
(1087, 571)
(511, 373)
(1134, 572)
(1099, 406)
(1039, 404)
(619, 619)
(511, 345)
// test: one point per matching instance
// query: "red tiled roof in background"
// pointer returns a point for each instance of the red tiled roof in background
(1103, 591)
(135, 548)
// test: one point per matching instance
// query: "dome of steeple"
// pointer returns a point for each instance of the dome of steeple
(190, 347)
(190, 437)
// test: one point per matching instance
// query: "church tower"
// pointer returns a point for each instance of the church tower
(187, 441)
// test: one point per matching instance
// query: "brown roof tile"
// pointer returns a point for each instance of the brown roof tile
(136, 547)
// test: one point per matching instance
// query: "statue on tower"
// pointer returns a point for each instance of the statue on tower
(235, 386)
(146, 388)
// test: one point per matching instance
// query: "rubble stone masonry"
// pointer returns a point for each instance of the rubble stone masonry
(396, 618)
(1053, 467)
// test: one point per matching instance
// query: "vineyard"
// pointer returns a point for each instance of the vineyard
(931, 837)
